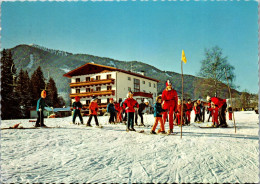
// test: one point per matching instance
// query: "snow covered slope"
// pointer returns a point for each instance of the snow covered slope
(82, 154)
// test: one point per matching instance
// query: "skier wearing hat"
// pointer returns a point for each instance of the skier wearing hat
(188, 112)
(40, 108)
(222, 105)
(93, 110)
(77, 106)
(111, 110)
(169, 100)
(142, 106)
(129, 105)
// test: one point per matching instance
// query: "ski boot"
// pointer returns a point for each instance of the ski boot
(152, 132)
(170, 131)
(163, 132)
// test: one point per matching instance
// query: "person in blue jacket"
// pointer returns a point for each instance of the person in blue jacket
(40, 108)
(111, 109)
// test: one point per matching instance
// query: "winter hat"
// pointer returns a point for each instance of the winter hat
(146, 101)
(168, 83)
(158, 97)
(77, 98)
(111, 99)
(208, 98)
(93, 98)
(43, 94)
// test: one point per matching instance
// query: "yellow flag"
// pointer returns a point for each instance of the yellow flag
(183, 57)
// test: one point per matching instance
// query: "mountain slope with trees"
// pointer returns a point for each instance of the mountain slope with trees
(55, 64)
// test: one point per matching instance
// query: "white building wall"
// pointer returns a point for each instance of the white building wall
(123, 84)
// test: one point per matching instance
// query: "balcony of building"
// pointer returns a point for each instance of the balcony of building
(92, 82)
(93, 93)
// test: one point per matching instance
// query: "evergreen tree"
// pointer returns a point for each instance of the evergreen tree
(52, 95)
(24, 91)
(38, 84)
(10, 101)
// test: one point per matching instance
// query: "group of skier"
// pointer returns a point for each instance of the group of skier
(167, 107)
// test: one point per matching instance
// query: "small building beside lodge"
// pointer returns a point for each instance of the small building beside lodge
(59, 112)
(107, 82)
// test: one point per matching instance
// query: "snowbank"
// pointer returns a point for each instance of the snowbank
(82, 154)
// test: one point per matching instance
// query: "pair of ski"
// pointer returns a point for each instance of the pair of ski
(25, 128)
(214, 127)
(148, 133)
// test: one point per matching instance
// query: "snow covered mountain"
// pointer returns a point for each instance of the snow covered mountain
(29, 57)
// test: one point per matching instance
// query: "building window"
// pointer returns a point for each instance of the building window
(87, 78)
(143, 82)
(109, 87)
(98, 89)
(87, 90)
(154, 85)
(107, 100)
(77, 90)
(77, 79)
(129, 89)
(98, 77)
(129, 78)
(150, 84)
(136, 85)
(109, 76)
(87, 102)
(91, 90)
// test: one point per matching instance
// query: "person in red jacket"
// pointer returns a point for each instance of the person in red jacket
(93, 110)
(222, 105)
(214, 111)
(178, 113)
(196, 109)
(169, 101)
(129, 105)
(188, 111)
(119, 110)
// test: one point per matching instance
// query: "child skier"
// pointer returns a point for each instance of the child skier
(129, 105)
(40, 108)
(178, 113)
(77, 106)
(119, 110)
(111, 109)
(196, 109)
(230, 111)
(93, 109)
(188, 112)
(222, 105)
(143, 105)
(214, 111)
(158, 110)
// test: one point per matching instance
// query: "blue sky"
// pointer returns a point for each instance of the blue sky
(151, 32)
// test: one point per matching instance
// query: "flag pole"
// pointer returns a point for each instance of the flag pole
(181, 97)
(231, 101)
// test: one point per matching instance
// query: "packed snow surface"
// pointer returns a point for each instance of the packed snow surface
(75, 153)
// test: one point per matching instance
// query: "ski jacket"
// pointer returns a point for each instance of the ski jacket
(111, 108)
(142, 106)
(130, 104)
(93, 108)
(77, 106)
(118, 107)
(230, 109)
(158, 110)
(196, 109)
(170, 99)
(41, 104)
(189, 107)
(214, 113)
(218, 101)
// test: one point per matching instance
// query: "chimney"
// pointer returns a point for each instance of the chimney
(142, 72)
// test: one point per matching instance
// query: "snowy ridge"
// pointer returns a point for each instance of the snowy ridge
(52, 51)
(111, 154)
(65, 69)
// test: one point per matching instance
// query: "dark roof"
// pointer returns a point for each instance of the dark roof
(91, 68)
